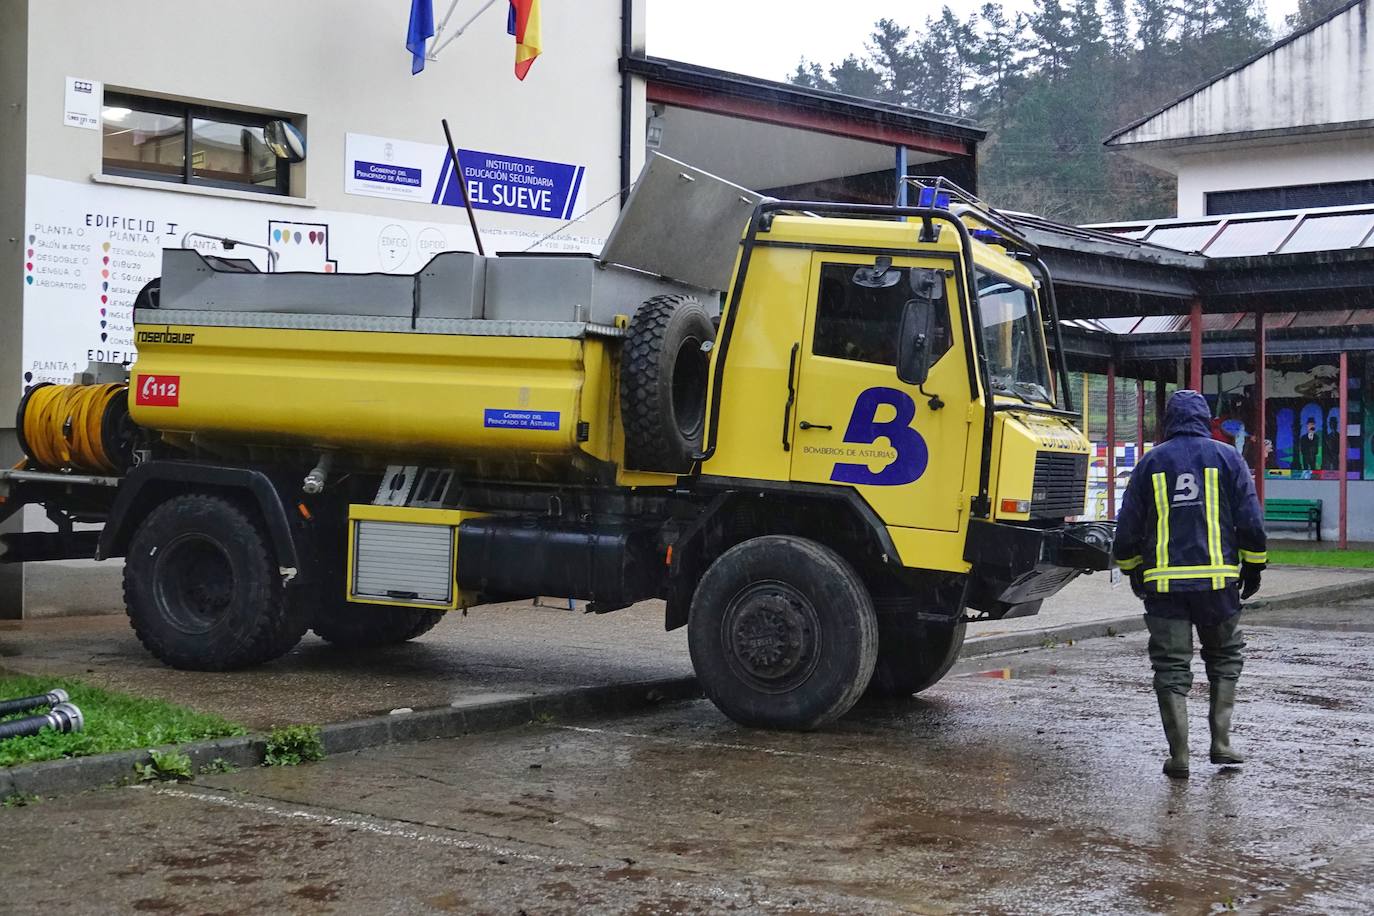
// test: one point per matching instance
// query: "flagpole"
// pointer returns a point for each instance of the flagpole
(433, 54)
(463, 183)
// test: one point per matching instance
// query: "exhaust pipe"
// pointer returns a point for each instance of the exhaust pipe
(64, 717)
(24, 704)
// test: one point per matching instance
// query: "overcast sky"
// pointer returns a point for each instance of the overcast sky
(767, 37)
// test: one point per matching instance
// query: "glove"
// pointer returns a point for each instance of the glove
(1249, 579)
(1137, 577)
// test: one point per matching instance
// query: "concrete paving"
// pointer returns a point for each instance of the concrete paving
(1030, 789)
(495, 652)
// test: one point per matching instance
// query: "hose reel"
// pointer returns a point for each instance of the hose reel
(77, 428)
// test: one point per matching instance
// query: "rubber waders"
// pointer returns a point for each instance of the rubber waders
(1173, 712)
(1223, 701)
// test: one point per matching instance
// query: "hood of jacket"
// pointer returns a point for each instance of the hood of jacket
(1187, 414)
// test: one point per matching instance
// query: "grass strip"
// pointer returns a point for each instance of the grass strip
(1344, 559)
(114, 722)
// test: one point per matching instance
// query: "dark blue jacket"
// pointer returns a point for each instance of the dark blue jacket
(1189, 516)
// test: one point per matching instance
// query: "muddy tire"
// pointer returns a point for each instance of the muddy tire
(663, 377)
(782, 634)
(202, 590)
(366, 626)
(914, 657)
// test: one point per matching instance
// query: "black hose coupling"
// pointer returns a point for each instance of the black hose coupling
(24, 704)
(64, 717)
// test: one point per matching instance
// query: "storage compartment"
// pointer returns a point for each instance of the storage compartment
(404, 557)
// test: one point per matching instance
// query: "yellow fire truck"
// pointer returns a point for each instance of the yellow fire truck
(825, 434)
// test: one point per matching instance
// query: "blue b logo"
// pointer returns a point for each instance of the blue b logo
(864, 429)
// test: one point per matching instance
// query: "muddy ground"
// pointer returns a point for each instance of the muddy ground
(1027, 784)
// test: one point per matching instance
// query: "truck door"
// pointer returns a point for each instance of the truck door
(855, 423)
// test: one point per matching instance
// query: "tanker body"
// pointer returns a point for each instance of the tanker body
(825, 476)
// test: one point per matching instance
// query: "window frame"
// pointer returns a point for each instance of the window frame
(1037, 323)
(947, 319)
(188, 112)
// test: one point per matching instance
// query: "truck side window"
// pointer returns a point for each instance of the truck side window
(861, 323)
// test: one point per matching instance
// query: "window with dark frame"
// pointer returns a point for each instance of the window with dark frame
(861, 324)
(189, 144)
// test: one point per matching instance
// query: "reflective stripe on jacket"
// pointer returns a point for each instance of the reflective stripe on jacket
(1189, 517)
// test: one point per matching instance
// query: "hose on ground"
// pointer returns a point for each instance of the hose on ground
(64, 717)
(76, 427)
(24, 704)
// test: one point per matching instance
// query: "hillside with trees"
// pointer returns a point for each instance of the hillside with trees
(1052, 84)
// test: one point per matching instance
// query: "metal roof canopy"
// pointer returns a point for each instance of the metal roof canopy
(1098, 274)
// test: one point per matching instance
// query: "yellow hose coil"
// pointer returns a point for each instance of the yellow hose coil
(62, 426)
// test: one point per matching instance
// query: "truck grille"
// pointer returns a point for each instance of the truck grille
(1061, 485)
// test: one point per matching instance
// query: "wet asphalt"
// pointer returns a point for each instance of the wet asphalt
(1022, 784)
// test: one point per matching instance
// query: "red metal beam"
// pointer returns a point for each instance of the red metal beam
(1139, 418)
(1161, 402)
(1344, 440)
(1195, 327)
(1111, 439)
(1261, 402)
(791, 116)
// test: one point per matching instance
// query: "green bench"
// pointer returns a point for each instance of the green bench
(1305, 512)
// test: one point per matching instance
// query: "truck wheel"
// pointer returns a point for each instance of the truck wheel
(202, 590)
(912, 658)
(663, 375)
(363, 626)
(782, 633)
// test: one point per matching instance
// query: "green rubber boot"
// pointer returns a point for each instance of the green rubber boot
(1173, 712)
(1223, 701)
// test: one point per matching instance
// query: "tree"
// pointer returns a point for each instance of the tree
(1051, 84)
(1311, 11)
(1118, 28)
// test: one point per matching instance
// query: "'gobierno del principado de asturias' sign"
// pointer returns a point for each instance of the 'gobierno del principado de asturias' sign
(423, 173)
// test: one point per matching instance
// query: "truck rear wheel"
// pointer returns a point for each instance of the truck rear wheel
(202, 591)
(663, 376)
(364, 626)
(782, 633)
(914, 657)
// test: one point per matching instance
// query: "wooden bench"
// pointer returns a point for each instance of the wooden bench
(1305, 512)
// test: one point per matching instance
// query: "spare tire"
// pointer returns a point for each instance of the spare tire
(663, 377)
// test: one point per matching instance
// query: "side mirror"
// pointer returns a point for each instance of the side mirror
(918, 324)
(879, 276)
(285, 140)
(913, 347)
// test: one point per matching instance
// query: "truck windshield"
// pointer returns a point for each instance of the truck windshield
(1011, 336)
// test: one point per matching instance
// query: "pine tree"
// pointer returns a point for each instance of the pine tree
(1310, 11)
(1118, 28)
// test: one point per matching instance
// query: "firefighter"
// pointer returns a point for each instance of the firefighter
(1190, 535)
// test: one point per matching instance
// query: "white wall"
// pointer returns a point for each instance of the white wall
(1360, 496)
(1305, 160)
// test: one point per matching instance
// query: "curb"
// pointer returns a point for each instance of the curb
(56, 777)
(1119, 626)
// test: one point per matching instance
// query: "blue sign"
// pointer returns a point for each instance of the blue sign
(520, 419)
(406, 175)
(511, 184)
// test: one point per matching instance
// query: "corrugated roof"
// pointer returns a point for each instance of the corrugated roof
(1248, 234)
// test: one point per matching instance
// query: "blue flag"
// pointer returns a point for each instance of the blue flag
(420, 31)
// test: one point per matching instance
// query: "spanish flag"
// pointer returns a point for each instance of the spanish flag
(523, 23)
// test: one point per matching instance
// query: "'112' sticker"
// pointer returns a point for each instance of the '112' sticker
(158, 391)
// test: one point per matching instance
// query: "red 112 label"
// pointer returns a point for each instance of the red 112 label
(158, 391)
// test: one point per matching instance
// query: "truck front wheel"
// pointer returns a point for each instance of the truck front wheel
(782, 633)
(202, 591)
(914, 657)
